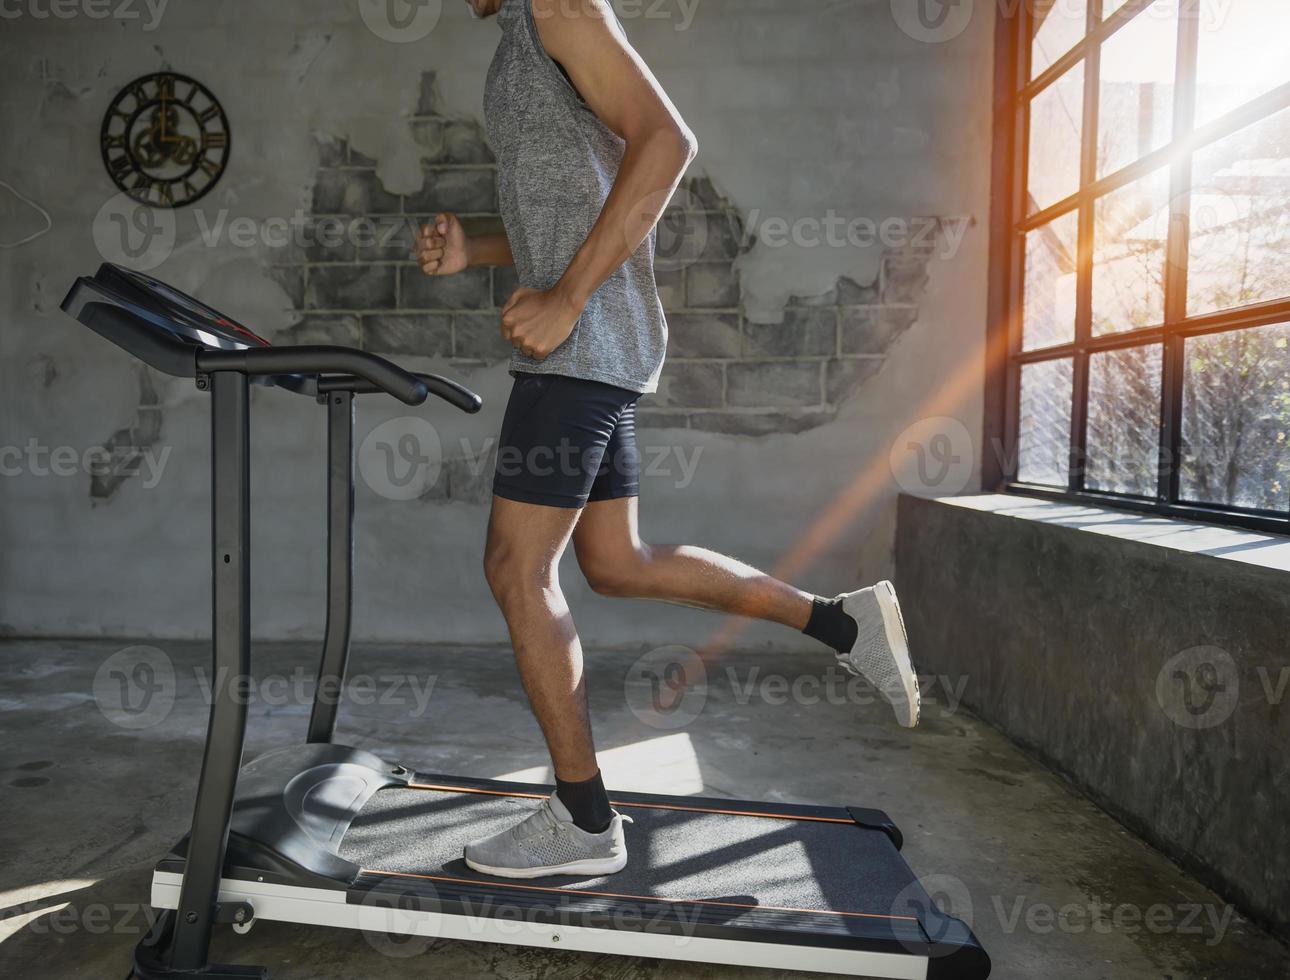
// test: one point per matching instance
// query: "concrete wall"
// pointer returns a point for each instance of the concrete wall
(802, 352)
(1146, 661)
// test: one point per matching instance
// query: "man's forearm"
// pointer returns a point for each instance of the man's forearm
(651, 168)
(489, 250)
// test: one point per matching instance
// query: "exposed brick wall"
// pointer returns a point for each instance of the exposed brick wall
(724, 373)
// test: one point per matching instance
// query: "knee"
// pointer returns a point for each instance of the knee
(511, 575)
(618, 573)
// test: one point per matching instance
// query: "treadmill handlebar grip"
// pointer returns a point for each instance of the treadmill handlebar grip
(456, 395)
(450, 391)
(384, 375)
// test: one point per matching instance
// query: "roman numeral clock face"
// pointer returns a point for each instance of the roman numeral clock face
(165, 140)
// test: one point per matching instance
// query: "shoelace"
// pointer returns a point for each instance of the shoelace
(546, 819)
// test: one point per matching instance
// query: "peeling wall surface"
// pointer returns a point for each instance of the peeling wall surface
(823, 268)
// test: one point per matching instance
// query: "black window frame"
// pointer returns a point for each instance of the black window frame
(1009, 222)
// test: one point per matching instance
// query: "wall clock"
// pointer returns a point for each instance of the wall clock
(165, 140)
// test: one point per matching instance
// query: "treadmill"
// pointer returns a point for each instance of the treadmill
(325, 834)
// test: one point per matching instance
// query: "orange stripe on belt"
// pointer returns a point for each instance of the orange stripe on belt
(645, 806)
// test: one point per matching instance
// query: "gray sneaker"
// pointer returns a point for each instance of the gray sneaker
(548, 842)
(881, 651)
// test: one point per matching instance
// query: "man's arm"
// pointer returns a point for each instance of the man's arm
(444, 249)
(619, 87)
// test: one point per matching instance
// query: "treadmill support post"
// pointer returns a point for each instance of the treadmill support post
(340, 565)
(231, 547)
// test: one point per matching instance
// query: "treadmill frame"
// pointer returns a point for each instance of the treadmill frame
(197, 890)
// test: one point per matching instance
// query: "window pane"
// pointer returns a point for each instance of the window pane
(1058, 25)
(1111, 6)
(1056, 119)
(1136, 87)
(1240, 219)
(1044, 423)
(1049, 302)
(1242, 54)
(1236, 419)
(1123, 441)
(1130, 229)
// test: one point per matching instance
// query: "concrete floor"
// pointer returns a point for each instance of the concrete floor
(87, 805)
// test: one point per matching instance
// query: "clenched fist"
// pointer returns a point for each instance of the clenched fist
(537, 322)
(441, 249)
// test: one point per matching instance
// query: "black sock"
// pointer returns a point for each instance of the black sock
(830, 625)
(587, 802)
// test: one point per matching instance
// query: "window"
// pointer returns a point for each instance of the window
(1141, 276)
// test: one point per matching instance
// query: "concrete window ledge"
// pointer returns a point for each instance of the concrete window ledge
(1270, 551)
(1146, 659)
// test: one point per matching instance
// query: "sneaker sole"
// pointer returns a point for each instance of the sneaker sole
(587, 866)
(894, 624)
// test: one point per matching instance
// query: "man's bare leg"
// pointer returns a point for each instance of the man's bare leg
(617, 562)
(864, 627)
(521, 562)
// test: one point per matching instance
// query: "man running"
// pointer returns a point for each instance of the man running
(589, 150)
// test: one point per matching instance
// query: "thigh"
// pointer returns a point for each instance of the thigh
(528, 536)
(554, 439)
(607, 533)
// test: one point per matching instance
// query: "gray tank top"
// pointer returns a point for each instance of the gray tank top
(556, 165)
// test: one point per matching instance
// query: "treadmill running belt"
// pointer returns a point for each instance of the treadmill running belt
(850, 877)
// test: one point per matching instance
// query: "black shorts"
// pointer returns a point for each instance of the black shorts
(567, 441)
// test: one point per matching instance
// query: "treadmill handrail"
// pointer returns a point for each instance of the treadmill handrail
(456, 395)
(317, 359)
